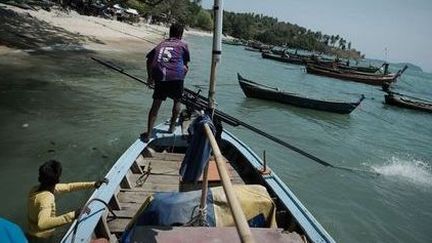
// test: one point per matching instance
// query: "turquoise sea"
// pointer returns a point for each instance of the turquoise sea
(60, 104)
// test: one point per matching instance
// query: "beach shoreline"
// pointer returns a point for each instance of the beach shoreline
(74, 31)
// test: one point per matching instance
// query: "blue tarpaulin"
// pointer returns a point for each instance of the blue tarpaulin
(181, 208)
(198, 152)
(170, 209)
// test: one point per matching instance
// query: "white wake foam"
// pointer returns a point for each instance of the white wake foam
(412, 170)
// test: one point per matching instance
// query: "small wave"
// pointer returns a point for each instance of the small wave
(414, 171)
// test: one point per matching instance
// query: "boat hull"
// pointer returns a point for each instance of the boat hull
(400, 101)
(372, 79)
(254, 90)
(292, 60)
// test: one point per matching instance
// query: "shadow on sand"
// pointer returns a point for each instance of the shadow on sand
(22, 31)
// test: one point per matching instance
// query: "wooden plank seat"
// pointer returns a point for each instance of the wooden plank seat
(164, 177)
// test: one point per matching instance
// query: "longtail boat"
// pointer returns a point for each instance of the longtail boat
(395, 99)
(247, 48)
(256, 90)
(372, 79)
(149, 199)
(233, 42)
(341, 68)
(290, 59)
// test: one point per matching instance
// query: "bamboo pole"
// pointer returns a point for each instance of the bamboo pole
(216, 57)
(203, 201)
(236, 210)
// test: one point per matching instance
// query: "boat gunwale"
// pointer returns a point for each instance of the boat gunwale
(314, 230)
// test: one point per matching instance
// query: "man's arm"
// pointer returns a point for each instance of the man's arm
(46, 221)
(150, 57)
(186, 59)
(70, 187)
(149, 72)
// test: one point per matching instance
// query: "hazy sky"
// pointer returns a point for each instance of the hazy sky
(403, 27)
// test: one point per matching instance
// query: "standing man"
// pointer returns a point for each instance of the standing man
(167, 65)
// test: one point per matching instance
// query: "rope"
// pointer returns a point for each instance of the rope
(200, 219)
(83, 211)
(143, 178)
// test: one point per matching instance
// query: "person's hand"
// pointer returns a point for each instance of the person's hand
(99, 183)
(150, 81)
(185, 68)
(79, 210)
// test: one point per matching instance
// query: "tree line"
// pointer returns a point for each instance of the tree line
(248, 26)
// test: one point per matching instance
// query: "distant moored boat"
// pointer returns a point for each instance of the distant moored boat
(255, 90)
(372, 79)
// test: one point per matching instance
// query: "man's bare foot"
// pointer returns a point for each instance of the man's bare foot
(144, 137)
(172, 128)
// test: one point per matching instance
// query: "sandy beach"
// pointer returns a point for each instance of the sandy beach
(31, 30)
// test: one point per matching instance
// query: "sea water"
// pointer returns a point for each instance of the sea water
(57, 103)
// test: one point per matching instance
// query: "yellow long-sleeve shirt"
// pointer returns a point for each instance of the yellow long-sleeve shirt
(41, 209)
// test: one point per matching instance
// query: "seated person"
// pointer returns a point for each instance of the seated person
(41, 208)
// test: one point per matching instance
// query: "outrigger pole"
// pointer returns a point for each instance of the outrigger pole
(198, 102)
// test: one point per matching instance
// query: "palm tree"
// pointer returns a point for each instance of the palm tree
(342, 43)
(332, 40)
(337, 38)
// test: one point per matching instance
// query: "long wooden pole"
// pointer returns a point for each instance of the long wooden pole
(236, 210)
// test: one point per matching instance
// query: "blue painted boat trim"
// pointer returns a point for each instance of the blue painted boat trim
(105, 193)
(88, 223)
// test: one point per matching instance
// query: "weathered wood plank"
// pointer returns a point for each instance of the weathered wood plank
(118, 225)
(156, 179)
(126, 213)
(137, 197)
(159, 162)
(140, 160)
(136, 168)
(152, 188)
(168, 156)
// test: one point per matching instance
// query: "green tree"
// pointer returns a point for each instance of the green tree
(204, 20)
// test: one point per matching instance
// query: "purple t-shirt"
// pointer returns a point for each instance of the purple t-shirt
(168, 60)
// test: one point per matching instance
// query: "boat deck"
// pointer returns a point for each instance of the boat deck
(161, 177)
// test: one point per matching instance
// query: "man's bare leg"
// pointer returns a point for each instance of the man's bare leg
(152, 118)
(174, 115)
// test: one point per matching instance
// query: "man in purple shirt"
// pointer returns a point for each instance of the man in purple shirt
(167, 65)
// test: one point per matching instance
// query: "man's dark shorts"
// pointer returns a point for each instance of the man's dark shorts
(171, 89)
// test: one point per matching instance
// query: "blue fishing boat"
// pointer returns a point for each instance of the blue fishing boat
(156, 193)
(148, 168)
